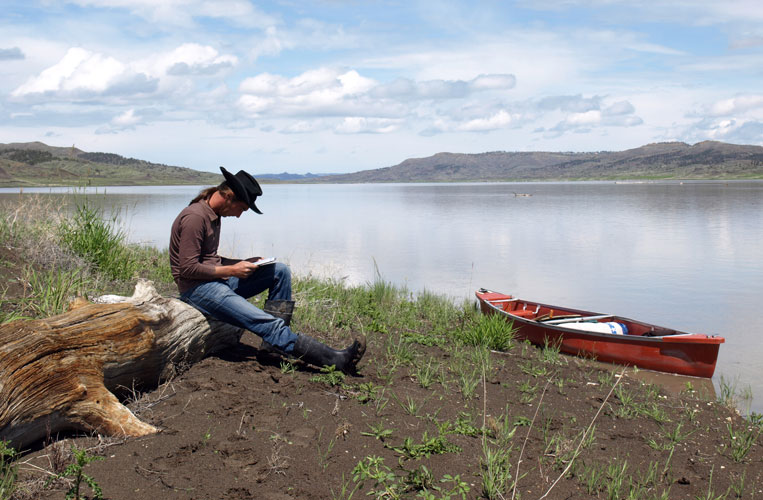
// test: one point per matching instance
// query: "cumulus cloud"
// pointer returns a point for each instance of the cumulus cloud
(363, 105)
(82, 76)
(501, 119)
(581, 114)
(81, 73)
(322, 91)
(11, 54)
(735, 105)
(192, 58)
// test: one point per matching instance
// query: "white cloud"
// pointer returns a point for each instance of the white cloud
(331, 92)
(583, 114)
(501, 119)
(192, 58)
(362, 125)
(734, 105)
(588, 118)
(323, 90)
(126, 119)
(80, 71)
(83, 74)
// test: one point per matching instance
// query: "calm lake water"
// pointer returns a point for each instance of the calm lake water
(685, 255)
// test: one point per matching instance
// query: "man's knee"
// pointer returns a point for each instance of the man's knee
(282, 271)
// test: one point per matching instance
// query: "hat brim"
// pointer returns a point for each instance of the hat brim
(239, 190)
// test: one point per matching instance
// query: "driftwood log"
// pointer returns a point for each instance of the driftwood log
(61, 373)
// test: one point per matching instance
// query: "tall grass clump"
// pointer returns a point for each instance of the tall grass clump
(51, 292)
(491, 331)
(100, 242)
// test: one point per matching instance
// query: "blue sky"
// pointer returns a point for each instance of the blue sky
(342, 86)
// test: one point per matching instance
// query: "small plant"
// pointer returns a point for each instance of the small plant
(741, 441)
(372, 468)
(378, 431)
(368, 392)
(8, 471)
(345, 493)
(463, 426)
(530, 368)
(628, 407)
(421, 479)
(75, 471)
(206, 437)
(592, 478)
(670, 438)
(737, 486)
(658, 414)
(329, 376)
(606, 377)
(460, 488)
(550, 353)
(528, 391)
(428, 446)
(710, 495)
(615, 478)
(426, 373)
(400, 353)
(522, 421)
(323, 456)
(496, 472)
(410, 406)
(287, 367)
(468, 381)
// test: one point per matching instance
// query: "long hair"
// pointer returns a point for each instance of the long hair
(207, 193)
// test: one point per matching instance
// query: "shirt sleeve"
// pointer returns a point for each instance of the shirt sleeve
(191, 263)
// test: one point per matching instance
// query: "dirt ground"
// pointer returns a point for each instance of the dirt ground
(241, 425)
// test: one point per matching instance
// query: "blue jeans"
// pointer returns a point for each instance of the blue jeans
(225, 300)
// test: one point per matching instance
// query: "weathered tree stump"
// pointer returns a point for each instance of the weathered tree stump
(60, 373)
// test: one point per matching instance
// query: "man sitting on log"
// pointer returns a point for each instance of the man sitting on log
(219, 286)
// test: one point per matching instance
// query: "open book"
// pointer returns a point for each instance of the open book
(266, 261)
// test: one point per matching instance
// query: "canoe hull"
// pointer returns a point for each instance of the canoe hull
(676, 352)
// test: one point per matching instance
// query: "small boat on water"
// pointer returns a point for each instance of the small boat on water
(606, 337)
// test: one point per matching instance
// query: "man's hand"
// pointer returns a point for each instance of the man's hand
(241, 269)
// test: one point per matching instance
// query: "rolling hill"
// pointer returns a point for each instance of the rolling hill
(670, 160)
(37, 164)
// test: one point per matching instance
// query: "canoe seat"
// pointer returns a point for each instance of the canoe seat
(523, 313)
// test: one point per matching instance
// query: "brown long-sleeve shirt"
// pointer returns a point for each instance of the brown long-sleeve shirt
(193, 246)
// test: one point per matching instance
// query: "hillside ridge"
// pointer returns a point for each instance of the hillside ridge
(38, 164)
(667, 160)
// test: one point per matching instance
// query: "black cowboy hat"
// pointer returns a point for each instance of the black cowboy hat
(244, 186)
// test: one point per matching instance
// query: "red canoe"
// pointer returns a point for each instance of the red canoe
(606, 337)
